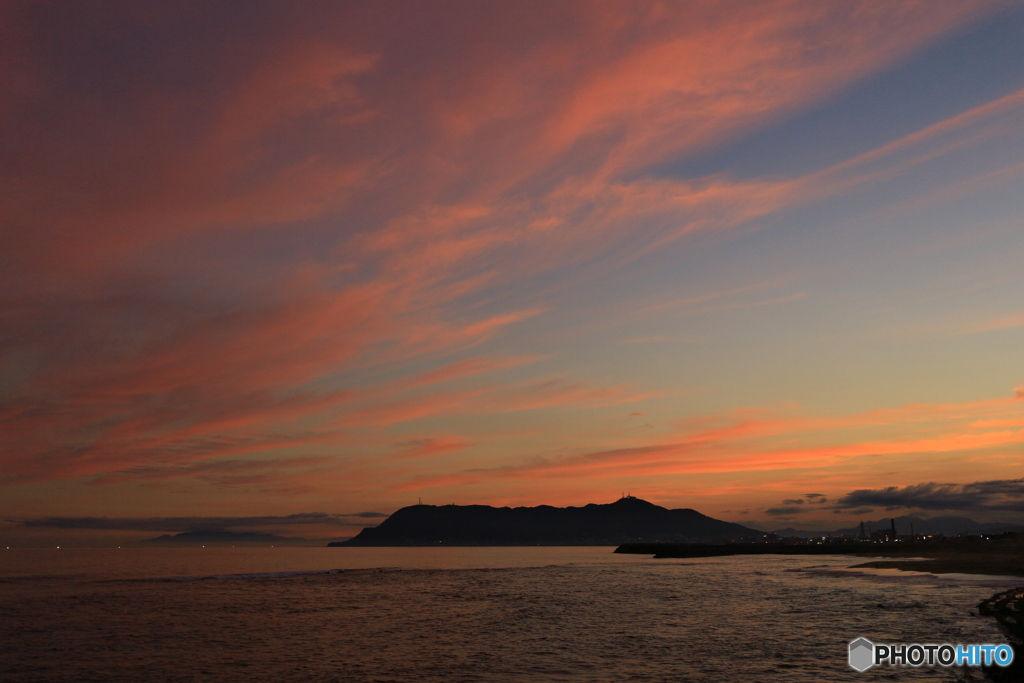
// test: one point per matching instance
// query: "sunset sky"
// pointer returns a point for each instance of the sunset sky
(262, 259)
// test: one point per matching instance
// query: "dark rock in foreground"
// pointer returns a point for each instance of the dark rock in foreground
(1008, 609)
(626, 520)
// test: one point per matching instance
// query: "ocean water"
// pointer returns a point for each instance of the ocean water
(465, 614)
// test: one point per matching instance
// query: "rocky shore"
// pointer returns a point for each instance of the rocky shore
(1008, 609)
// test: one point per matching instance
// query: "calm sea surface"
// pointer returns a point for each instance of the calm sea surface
(464, 614)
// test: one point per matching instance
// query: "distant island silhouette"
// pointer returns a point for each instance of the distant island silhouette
(627, 520)
(221, 537)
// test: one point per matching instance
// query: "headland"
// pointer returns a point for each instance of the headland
(627, 520)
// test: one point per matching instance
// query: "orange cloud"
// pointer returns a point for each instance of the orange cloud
(753, 442)
(431, 446)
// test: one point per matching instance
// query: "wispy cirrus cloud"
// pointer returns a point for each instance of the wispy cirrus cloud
(1005, 322)
(230, 256)
(752, 441)
(428, 447)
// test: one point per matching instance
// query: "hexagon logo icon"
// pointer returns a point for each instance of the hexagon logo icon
(862, 654)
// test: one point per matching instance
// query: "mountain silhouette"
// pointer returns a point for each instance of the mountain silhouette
(628, 520)
(934, 526)
(949, 526)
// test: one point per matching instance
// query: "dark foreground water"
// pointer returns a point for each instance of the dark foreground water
(465, 614)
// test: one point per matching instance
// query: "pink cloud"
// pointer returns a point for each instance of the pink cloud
(205, 247)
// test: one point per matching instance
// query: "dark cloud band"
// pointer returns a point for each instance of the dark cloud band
(995, 495)
(998, 495)
(198, 523)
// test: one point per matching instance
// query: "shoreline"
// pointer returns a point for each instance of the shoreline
(1006, 607)
(1001, 564)
(1001, 559)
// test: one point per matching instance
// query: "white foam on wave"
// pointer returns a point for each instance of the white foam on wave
(891, 574)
